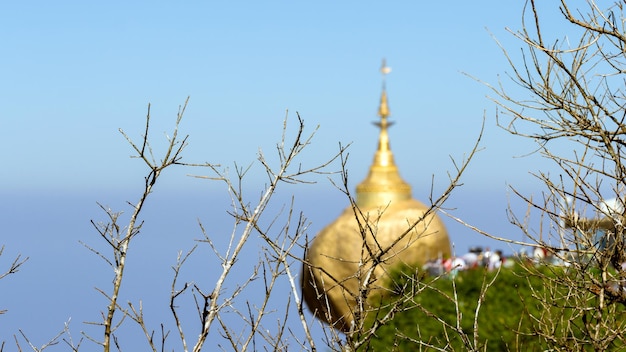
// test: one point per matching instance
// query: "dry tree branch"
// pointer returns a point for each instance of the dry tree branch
(277, 255)
(175, 293)
(53, 341)
(14, 267)
(118, 239)
(138, 317)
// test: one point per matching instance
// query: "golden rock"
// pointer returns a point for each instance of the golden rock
(347, 263)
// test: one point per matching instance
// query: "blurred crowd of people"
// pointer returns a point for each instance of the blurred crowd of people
(475, 258)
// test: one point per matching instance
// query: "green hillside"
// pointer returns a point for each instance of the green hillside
(523, 309)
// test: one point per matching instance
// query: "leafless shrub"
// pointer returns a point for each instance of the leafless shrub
(263, 322)
(277, 268)
(577, 104)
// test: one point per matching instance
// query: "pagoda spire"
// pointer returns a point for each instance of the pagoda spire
(390, 230)
(383, 183)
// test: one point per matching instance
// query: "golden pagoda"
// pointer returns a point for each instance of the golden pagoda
(348, 262)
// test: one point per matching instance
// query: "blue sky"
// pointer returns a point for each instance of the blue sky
(73, 72)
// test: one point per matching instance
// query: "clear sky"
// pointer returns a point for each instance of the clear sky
(73, 72)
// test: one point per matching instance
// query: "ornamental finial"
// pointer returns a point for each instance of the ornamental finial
(383, 110)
